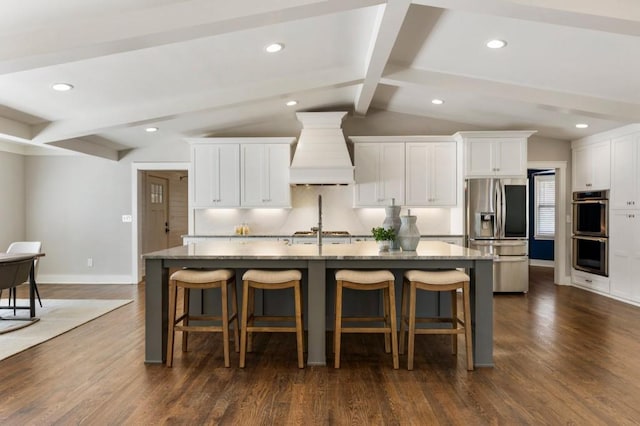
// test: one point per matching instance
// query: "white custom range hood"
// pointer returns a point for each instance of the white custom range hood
(321, 156)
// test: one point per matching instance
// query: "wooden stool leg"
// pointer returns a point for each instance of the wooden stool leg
(467, 325)
(338, 326)
(299, 330)
(387, 323)
(172, 320)
(234, 312)
(403, 315)
(392, 313)
(225, 322)
(243, 328)
(412, 325)
(454, 321)
(250, 320)
(185, 322)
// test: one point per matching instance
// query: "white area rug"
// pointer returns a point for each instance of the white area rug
(57, 316)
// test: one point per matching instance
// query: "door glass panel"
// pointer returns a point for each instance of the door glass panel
(515, 201)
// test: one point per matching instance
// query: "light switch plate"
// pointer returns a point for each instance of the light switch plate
(126, 218)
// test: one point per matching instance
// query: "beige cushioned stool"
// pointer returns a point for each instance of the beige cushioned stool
(270, 280)
(444, 280)
(367, 280)
(201, 279)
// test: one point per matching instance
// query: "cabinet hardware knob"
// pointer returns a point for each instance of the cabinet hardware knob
(589, 281)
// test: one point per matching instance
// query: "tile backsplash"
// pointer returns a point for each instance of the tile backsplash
(337, 214)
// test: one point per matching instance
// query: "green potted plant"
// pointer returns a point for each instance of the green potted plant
(383, 237)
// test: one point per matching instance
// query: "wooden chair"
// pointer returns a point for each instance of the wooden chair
(444, 280)
(367, 280)
(201, 279)
(270, 280)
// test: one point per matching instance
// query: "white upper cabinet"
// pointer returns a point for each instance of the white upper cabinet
(379, 173)
(591, 166)
(495, 154)
(264, 175)
(216, 175)
(240, 172)
(625, 172)
(431, 174)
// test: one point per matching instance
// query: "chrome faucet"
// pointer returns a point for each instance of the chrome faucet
(318, 228)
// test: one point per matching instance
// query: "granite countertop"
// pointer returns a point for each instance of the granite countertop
(279, 250)
(304, 236)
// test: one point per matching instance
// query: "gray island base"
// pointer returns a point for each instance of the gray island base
(316, 264)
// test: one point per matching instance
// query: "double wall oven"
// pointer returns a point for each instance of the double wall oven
(590, 232)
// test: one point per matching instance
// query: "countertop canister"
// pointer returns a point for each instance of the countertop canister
(408, 235)
(392, 221)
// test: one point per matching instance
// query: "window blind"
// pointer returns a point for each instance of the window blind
(545, 206)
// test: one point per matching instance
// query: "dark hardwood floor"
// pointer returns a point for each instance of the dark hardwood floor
(562, 356)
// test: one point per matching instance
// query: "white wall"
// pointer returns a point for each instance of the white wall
(12, 206)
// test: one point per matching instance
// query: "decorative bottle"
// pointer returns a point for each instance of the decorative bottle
(409, 235)
(392, 221)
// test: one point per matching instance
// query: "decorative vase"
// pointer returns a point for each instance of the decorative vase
(392, 221)
(384, 245)
(409, 235)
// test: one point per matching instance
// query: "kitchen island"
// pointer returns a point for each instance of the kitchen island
(316, 261)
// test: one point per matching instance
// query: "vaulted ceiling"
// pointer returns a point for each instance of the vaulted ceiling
(197, 67)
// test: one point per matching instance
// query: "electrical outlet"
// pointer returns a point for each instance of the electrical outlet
(90, 262)
(127, 218)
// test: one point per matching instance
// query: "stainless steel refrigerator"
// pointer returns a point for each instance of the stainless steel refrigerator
(497, 222)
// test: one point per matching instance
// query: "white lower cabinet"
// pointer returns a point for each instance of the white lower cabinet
(590, 281)
(624, 254)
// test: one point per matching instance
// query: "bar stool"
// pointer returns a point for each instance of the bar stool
(270, 280)
(444, 280)
(200, 279)
(367, 280)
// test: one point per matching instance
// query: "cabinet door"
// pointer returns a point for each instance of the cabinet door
(581, 163)
(624, 172)
(591, 167)
(444, 177)
(265, 175)
(624, 254)
(278, 162)
(431, 174)
(601, 165)
(479, 158)
(379, 173)
(511, 157)
(216, 175)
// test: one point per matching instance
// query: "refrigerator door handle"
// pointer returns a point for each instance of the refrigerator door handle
(498, 198)
(503, 210)
(500, 259)
(495, 243)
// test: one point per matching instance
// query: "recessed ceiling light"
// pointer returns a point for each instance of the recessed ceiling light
(61, 87)
(496, 44)
(275, 47)
(292, 103)
(151, 129)
(582, 125)
(437, 101)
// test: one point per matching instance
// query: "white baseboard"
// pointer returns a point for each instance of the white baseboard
(84, 279)
(539, 262)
